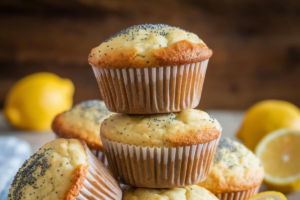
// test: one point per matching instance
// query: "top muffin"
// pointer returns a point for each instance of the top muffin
(149, 45)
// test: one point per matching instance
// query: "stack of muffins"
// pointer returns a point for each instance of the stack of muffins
(152, 76)
(153, 141)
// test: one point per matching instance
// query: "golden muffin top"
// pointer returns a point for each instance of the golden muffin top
(56, 171)
(234, 168)
(83, 122)
(192, 192)
(187, 127)
(149, 45)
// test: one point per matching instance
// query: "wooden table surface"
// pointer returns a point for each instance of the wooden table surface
(230, 121)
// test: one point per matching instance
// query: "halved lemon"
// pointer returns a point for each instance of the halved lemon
(279, 152)
(268, 196)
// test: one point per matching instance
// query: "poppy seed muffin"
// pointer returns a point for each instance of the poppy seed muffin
(160, 151)
(192, 192)
(83, 122)
(187, 127)
(64, 169)
(151, 68)
(149, 45)
(236, 171)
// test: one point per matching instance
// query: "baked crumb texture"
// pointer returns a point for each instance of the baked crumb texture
(83, 122)
(150, 45)
(192, 192)
(56, 171)
(152, 68)
(188, 127)
(63, 169)
(235, 170)
(162, 150)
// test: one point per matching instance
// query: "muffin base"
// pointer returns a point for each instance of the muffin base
(152, 90)
(98, 183)
(164, 167)
(241, 195)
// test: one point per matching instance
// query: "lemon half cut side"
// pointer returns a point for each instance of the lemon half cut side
(268, 196)
(279, 152)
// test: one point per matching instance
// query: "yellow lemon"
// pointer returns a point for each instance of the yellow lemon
(268, 196)
(279, 154)
(265, 117)
(33, 101)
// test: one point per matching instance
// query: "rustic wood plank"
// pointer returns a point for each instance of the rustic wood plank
(256, 45)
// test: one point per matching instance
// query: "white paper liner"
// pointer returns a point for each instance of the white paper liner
(99, 154)
(164, 167)
(241, 195)
(99, 182)
(152, 90)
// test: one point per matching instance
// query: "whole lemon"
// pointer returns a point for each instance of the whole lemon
(265, 117)
(33, 101)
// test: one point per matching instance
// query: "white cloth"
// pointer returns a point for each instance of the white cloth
(13, 153)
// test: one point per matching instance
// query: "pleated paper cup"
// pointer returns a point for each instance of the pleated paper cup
(99, 182)
(164, 167)
(241, 195)
(152, 90)
(99, 154)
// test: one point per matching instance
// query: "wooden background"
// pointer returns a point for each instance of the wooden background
(256, 43)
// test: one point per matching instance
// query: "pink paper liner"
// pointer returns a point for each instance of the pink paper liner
(164, 167)
(152, 90)
(241, 195)
(99, 182)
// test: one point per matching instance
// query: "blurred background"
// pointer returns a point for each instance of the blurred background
(256, 46)
(256, 43)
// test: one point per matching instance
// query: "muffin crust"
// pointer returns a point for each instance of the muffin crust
(56, 171)
(83, 122)
(187, 127)
(235, 169)
(192, 192)
(150, 45)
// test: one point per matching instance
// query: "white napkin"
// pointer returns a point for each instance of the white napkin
(13, 153)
